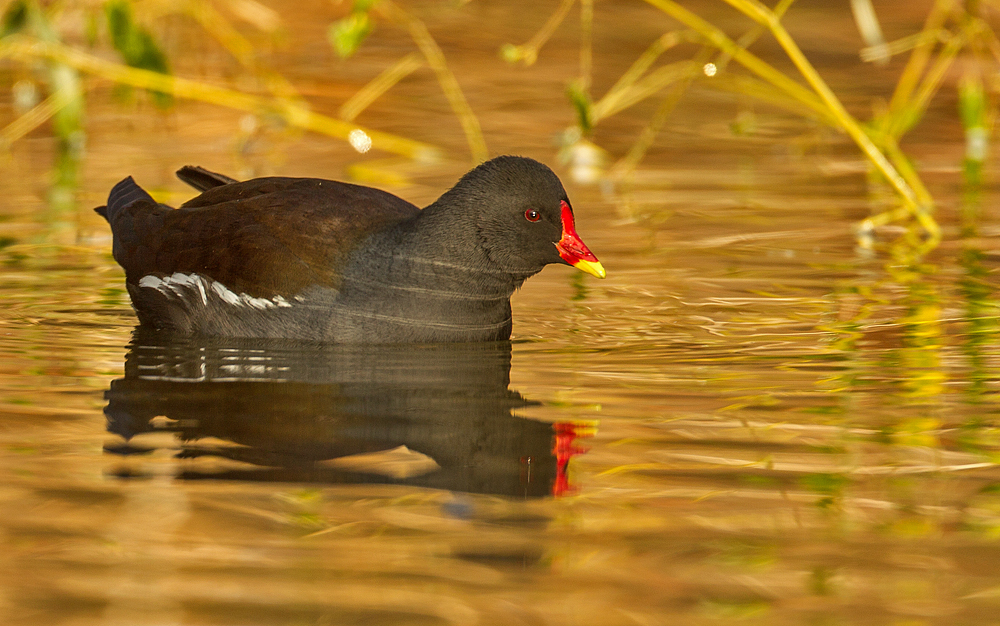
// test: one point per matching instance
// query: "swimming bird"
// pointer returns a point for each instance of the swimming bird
(321, 260)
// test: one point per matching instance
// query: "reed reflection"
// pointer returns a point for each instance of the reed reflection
(312, 413)
(976, 286)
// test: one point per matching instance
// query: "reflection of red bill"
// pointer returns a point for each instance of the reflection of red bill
(573, 250)
(564, 447)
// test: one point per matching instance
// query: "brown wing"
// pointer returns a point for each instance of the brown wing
(263, 237)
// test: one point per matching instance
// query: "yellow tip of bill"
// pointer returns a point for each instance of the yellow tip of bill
(591, 267)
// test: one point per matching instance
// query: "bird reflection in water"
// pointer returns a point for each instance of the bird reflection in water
(304, 412)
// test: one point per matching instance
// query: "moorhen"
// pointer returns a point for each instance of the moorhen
(320, 260)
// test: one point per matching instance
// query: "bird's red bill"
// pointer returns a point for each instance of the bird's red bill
(573, 250)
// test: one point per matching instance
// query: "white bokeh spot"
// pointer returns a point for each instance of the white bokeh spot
(360, 140)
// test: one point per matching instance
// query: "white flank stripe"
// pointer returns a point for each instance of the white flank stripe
(151, 282)
(176, 284)
(225, 294)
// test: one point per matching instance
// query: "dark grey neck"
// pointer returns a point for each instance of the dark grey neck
(428, 279)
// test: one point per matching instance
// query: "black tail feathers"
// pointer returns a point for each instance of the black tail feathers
(122, 195)
(202, 179)
(127, 191)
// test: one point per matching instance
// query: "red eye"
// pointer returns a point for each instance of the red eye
(532, 215)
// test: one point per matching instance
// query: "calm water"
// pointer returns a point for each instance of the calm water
(751, 419)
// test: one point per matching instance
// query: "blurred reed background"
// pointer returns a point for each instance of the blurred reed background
(62, 56)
